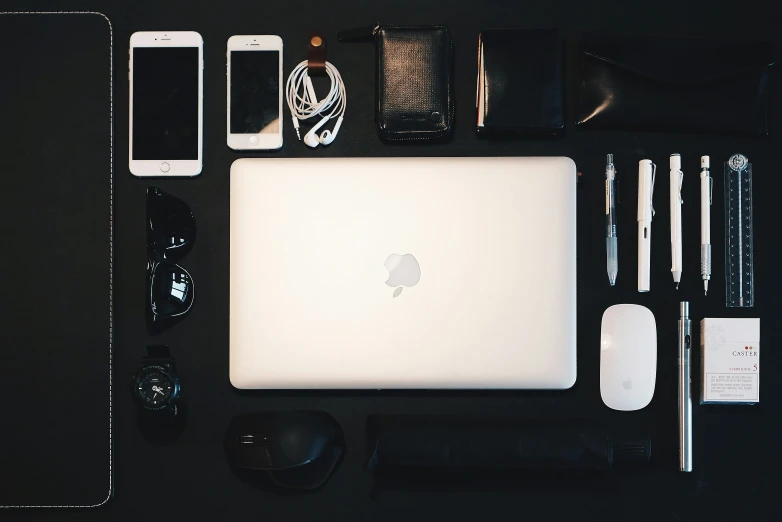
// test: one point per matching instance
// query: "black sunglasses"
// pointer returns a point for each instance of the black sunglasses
(171, 233)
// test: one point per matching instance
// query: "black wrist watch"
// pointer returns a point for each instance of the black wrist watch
(156, 384)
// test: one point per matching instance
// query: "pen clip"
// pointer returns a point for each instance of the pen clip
(651, 195)
(711, 189)
(681, 179)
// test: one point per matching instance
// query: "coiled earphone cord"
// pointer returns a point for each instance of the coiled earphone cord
(304, 105)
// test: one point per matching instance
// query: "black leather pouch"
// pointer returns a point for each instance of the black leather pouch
(414, 94)
(675, 85)
(520, 81)
(480, 442)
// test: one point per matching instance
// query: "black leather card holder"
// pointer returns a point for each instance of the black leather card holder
(520, 81)
(674, 85)
(414, 82)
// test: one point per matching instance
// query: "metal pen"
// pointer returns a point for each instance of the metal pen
(612, 261)
(707, 185)
(685, 400)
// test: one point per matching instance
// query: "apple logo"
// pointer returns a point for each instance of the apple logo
(628, 384)
(402, 271)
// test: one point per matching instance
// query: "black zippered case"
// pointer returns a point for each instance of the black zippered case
(414, 86)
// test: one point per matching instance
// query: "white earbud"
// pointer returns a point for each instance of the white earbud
(330, 135)
(311, 139)
(304, 105)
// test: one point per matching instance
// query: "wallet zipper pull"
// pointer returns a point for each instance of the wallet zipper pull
(359, 34)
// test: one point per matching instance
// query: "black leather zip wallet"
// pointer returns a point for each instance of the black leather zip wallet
(520, 82)
(414, 91)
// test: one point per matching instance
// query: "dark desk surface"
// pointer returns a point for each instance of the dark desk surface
(737, 455)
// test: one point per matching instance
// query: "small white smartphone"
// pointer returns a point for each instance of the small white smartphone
(254, 92)
(166, 75)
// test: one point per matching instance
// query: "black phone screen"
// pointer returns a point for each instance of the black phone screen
(255, 92)
(165, 103)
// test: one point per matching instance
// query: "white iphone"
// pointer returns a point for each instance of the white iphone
(166, 103)
(255, 92)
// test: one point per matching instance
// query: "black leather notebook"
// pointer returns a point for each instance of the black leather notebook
(56, 181)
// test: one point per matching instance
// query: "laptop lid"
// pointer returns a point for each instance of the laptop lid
(440, 273)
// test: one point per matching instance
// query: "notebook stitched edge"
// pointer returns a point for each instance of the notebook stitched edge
(111, 247)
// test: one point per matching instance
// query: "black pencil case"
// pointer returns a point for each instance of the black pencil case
(414, 91)
(444, 442)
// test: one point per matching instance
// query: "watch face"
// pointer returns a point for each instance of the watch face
(154, 388)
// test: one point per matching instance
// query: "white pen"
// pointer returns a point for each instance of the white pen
(646, 174)
(706, 192)
(676, 218)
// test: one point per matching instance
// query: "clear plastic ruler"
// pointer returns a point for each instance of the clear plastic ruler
(739, 261)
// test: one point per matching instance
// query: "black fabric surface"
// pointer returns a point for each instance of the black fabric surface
(737, 455)
(56, 184)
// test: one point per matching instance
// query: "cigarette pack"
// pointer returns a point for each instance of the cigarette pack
(730, 361)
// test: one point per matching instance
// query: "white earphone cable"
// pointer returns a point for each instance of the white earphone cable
(302, 101)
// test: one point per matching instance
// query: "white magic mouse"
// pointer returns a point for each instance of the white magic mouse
(628, 357)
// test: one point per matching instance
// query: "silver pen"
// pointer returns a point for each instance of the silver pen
(685, 400)
(707, 185)
(612, 262)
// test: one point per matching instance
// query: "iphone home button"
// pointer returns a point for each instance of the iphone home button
(165, 167)
(254, 141)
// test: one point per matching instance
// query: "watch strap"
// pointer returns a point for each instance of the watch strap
(162, 416)
(158, 354)
(158, 351)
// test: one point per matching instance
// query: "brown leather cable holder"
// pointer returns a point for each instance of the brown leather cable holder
(316, 56)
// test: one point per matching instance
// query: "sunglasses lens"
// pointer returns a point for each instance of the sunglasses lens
(171, 226)
(171, 290)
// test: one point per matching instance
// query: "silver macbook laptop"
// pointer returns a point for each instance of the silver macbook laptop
(438, 273)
